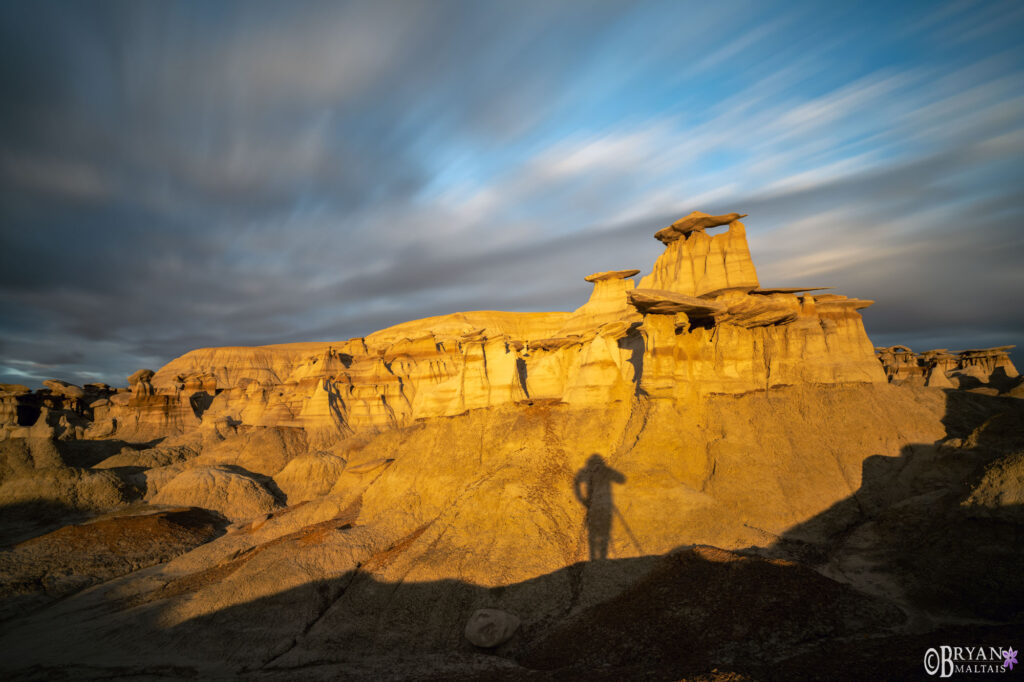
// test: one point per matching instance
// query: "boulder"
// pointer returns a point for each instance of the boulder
(611, 274)
(63, 388)
(140, 375)
(695, 221)
(139, 381)
(761, 311)
(661, 302)
(487, 628)
(786, 290)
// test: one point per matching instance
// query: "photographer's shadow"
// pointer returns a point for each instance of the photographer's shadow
(593, 488)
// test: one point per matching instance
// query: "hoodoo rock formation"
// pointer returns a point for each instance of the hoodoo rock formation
(357, 505)
(976, 368)
(725, 335)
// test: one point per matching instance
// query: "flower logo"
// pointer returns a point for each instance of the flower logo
(1011, 657)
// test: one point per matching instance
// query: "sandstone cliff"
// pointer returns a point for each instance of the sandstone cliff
(732, 337)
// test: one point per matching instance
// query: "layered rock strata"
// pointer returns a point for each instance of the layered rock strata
(698, 324)
(724, 335)
(941, 368)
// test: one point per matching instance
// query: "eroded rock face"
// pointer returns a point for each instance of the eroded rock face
(444, 366)
(699, 263)
(980, 368)
(608, 305)
(724, 325)
(415, 488)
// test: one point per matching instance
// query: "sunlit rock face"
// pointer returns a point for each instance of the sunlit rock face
(366, 497)
(731, 337)
(697, 263)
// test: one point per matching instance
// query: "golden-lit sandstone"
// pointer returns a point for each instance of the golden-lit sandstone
(732, 337)
(451, 449)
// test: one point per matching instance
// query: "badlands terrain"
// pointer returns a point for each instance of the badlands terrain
(691, 476)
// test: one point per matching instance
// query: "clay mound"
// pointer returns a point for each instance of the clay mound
(310, 476)
(38, 571)
(149, 458)
(1000, 492)
(20, 456)
(1001, 432)
(264, 451)
(684, 616)
(236, 496)
(72, 489)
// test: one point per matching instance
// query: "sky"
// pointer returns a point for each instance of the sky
(177, 175)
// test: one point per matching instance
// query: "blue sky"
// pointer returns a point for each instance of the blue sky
(179, 175)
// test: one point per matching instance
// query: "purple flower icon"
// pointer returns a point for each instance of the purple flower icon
(1011, 657)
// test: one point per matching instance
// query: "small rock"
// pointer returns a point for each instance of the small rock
(488, 628)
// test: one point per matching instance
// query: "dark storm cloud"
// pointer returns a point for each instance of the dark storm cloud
(178, 175)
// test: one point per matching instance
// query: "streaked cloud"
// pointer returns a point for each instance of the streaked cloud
(182, 175)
